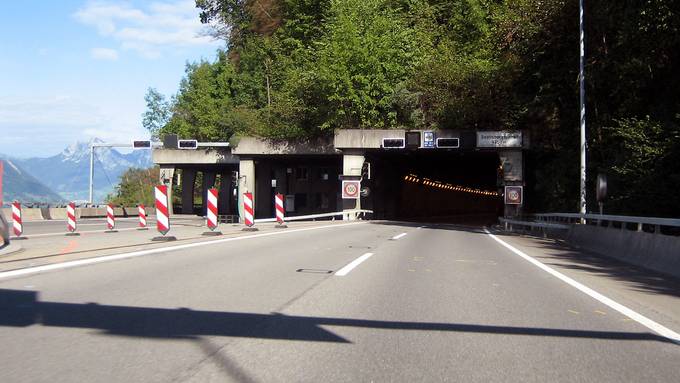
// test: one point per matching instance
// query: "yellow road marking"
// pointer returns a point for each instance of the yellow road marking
(573, 312)
(411, 270)
(600, 312)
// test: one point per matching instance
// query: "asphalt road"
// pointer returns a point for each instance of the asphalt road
(435, 303)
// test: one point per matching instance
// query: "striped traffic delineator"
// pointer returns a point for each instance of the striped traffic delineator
(211, 214)
(110, 219)
(17, 222)
(142, 217)
(278, 202)
(249, 212)
(71, 225)
(162, 213)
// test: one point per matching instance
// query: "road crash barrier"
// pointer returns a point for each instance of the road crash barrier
(110, 218)
(162, 212)
(17, 223)
(211, 213)
(141, 211)
(639, 241)
(71, 219)
(249, 212)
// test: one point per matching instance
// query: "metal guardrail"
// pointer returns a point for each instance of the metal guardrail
(543, 225)
(315, 216)
(608, 220)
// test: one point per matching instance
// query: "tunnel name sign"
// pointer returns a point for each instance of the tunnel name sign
(351, 189)
(499, 139)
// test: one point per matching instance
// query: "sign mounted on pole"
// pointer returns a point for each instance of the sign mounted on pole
(499, 139)
(351, 189)
(514, 195)
(428, 139)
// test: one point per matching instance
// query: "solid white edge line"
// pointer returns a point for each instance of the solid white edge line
(134, 254)
(345, 270)
(641, 319)
(398, 236)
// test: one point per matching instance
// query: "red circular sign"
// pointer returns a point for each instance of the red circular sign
(351, 189)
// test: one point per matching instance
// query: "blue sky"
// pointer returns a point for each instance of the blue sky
(72, 70)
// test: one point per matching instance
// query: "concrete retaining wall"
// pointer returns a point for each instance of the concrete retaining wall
(652, 251)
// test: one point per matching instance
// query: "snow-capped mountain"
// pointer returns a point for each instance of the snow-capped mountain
(19, 185)
(67, 173)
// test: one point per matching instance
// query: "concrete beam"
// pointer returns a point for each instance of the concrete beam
(199, 156)
(259, 146)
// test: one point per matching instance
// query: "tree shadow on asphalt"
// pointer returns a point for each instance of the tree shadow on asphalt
(556, 252)
(20, 309)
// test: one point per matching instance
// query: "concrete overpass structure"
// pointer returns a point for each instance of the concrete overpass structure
(309, 173)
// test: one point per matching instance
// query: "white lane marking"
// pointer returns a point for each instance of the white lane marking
(643, 320)
(398, 236)
(134, 254)
(345, 270)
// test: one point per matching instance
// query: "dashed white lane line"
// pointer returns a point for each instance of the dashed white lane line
(134, 254)
(345, 270)
(398, 236)
(641, 319)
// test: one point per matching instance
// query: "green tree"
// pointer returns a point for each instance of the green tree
(157, 112)
(136, 186)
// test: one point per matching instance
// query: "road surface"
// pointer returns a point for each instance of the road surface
(357, 302)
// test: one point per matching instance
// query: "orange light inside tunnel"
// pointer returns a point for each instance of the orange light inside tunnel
(455, 188)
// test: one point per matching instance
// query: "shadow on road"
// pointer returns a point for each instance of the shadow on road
(20, 308)
(560, 254)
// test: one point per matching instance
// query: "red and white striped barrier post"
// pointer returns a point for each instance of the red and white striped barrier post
(162, 211)
(17, 223)
(142, 217)
(248, 212)
(211, 214)
(278, 203)
(71, 225)
(110, 218)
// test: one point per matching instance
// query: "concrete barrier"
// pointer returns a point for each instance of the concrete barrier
(27, 214)
(652, 251)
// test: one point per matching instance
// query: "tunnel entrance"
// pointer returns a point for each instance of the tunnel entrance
(434, 186)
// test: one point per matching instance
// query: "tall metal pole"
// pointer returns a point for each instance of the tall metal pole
(582, 96)
(91, 173)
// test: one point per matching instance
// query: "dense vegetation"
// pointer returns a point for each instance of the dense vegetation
(301, 68)
(136, 186)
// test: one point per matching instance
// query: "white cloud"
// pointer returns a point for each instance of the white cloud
(42, 126)
(104, 54)
(161, 26)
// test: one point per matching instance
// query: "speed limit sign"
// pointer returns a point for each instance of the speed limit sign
(513, 195)
(351, 189)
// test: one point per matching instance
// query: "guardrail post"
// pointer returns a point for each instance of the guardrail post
(639, 226)
(657, 229)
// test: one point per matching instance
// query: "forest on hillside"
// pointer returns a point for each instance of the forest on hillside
(302, 68)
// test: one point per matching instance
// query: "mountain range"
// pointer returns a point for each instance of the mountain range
(67, 173)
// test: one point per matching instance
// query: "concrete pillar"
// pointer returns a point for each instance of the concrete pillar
(167, 173)
(188, 183)
(208, 182)
(224, 197)
(246, 182)
(263, 184)
(351, 168)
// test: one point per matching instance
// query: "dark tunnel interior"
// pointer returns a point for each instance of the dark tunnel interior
(434, 186)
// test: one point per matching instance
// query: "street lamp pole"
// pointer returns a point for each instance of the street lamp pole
(582, 103)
